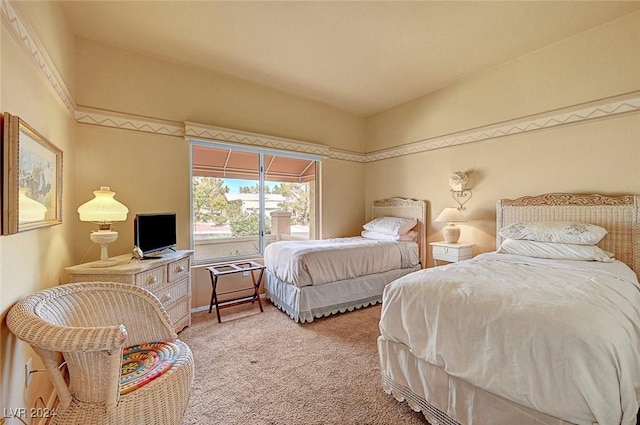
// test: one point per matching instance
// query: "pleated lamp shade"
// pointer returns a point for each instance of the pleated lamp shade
(103, 208)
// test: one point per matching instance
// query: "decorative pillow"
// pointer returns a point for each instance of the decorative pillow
(555, 231)
(145, 362)
(409, 236)
(555, 251)
(391, 225)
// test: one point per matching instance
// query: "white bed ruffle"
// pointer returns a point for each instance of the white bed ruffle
(444, 399)
(304, 304)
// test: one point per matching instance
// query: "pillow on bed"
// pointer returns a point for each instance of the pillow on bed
(555, 231)
(391, 225)
(555, 251)
(409, 236)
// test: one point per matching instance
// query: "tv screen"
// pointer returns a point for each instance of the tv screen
(154, 232)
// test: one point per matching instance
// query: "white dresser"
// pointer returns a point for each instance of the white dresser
(167, 277)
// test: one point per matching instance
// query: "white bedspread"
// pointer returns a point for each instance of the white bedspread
(315, 262)
(561, 337)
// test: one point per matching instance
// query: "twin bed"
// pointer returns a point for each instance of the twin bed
(312, 279)
(512, 338)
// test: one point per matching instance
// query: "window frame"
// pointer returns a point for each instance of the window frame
(261, 184)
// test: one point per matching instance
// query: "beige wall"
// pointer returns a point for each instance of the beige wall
(342, 193)
(593, 65)
(32, 260)
(599, 156)
(122, 81)
(148, 172)
(48, 20)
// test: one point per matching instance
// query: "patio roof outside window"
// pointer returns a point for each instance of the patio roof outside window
(236, 164)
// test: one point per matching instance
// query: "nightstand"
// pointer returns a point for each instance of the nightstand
(451, 252)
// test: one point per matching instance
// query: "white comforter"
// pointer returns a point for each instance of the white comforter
(315, 262)
(561, 337)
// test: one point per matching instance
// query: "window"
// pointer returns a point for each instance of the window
(245, 198)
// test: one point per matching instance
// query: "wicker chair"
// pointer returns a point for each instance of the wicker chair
(91, 324)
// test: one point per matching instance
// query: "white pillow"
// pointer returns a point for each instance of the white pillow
(554, 250)
(391, 225)
(555, 231)
(369, 234)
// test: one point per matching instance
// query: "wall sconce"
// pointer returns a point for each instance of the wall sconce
(459, 191)
(103, 210)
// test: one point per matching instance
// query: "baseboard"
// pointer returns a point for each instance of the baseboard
(206, 307)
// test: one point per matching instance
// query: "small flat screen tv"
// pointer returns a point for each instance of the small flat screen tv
(154, 232)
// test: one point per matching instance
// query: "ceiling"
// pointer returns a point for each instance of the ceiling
(362, 56)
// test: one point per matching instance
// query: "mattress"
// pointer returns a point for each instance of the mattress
(317, 262)
(535, 332)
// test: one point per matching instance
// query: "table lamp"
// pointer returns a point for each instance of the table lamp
(451, 216)
(103, 210)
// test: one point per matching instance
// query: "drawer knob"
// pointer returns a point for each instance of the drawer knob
(152, 280)
(166, 297)
(446, 250)
(180, 268)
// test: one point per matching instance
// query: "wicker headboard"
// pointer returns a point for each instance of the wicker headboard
(618, 214)
(408, 208)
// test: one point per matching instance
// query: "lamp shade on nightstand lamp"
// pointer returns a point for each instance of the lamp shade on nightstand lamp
(103, 210)
(451, 216)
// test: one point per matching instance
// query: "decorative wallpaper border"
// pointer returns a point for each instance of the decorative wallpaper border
(37, 53)
(207, 132)
(348, 156)
(604, 108)
(593, 110)
(129, 122)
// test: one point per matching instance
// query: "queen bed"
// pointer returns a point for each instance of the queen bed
(523, 336)
(312, 279)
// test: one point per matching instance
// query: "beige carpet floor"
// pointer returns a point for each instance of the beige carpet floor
(264, 369)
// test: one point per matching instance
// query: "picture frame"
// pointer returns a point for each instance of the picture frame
(31, 178)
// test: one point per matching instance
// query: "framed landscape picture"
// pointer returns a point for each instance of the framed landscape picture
(31, 178)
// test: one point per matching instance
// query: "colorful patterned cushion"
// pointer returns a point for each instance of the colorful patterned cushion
(143, 363)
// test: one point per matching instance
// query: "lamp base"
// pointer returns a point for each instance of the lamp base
(103, 263)
(104, 238)
(451, 233)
